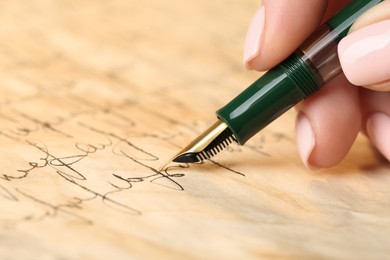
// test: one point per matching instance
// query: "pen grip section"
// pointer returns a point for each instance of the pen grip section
(319, 52)
(269, 97)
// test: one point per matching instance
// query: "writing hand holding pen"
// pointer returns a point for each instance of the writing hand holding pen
(329, 121)
(332, 110)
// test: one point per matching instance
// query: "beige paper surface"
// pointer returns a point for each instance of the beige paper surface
(96, 95)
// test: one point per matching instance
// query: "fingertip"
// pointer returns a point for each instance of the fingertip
(362, 56)
(362, 53)
(305, 139)
(378, 129)
(376, 119)
(278, 28)
(379, 12)
(332, 124)
(253, 38)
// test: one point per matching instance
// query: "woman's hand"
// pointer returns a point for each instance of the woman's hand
(329, 121)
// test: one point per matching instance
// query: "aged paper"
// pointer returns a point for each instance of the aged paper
(96, 95)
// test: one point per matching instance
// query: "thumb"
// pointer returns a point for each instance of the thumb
(365, 53)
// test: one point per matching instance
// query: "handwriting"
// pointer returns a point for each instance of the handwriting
(94, 154)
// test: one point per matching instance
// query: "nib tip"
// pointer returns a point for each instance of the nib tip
(164, 166)
(215, 139)
(186, 158)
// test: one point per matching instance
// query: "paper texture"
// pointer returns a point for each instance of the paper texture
(96, 95)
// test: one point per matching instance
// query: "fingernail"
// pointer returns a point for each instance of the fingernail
(364, 54)
(305, 139)
(378, 129)
(254, 37)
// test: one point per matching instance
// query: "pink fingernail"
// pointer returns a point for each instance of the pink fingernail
(254, 37)
(305, 139)
(378, 129)
(364, 54)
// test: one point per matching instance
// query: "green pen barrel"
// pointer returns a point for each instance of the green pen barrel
(268, 97)
(303, 73)
(343, 20)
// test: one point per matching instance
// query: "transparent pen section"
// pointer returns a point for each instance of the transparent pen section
(319, 52)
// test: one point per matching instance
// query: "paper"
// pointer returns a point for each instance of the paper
(96, 96)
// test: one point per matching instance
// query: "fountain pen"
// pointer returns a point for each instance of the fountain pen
(303, 73)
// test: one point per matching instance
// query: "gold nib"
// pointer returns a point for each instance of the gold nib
(164, 166)
(208, 144)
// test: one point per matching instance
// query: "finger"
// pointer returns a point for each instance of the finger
(279, 27)
(328, 124)
(376, 119)
(378, 13)
(333, 7)
(364, 52)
